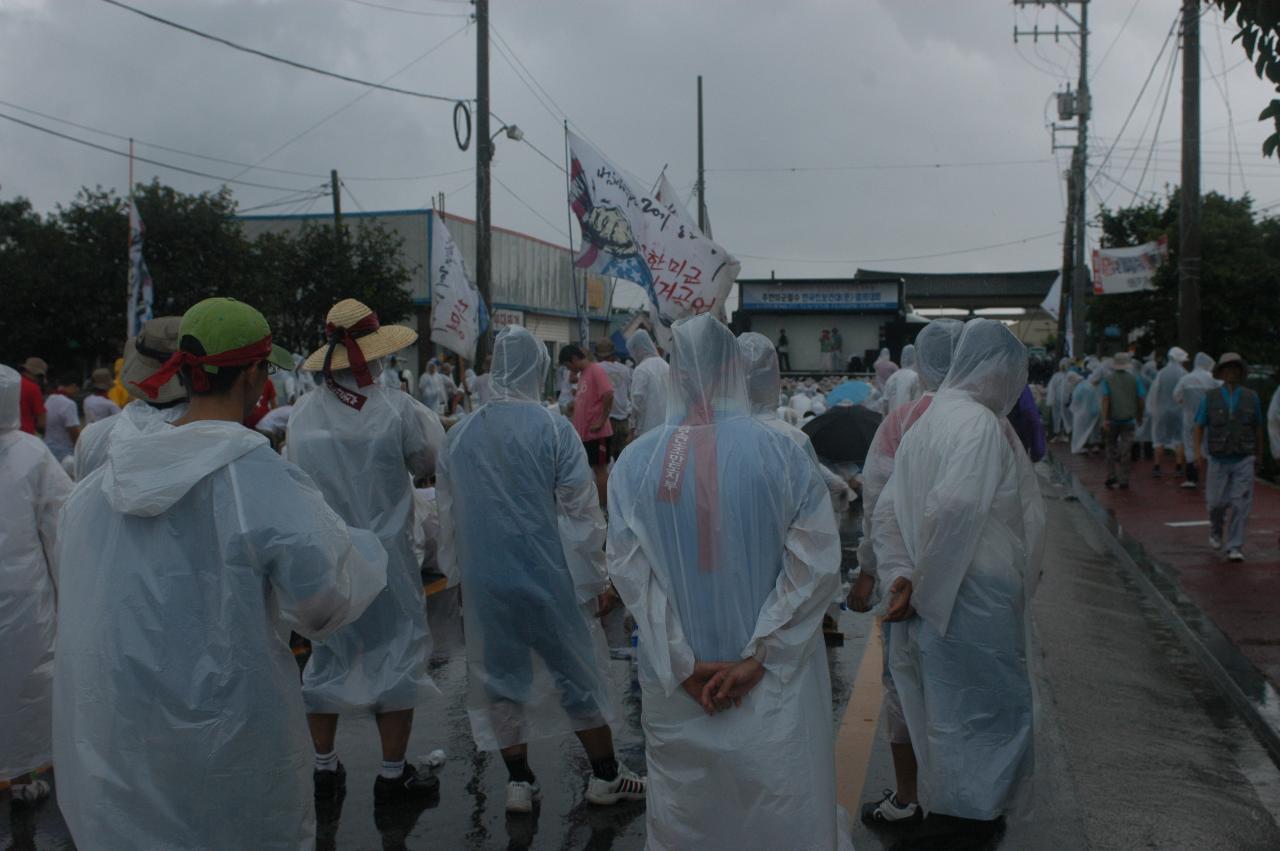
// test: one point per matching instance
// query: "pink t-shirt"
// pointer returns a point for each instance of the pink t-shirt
(588, 404)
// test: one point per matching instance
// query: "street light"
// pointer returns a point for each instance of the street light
(514, 133)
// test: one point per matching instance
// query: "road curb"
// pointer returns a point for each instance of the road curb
(1253, 696)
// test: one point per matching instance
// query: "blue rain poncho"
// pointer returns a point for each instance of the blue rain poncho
(1188, 393)
(520, 518)
(32, 490)
(1165, 412)
(1086, 411)
(648, 384)
(963, 513)
(364, 462)
(723, 545)
(903, 387)
(184, 563)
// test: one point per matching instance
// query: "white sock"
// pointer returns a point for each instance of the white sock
(327, 761)
(391, 770)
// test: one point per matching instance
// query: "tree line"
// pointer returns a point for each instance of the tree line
(65, 274)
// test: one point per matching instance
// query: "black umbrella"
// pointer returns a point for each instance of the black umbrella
(843, 433)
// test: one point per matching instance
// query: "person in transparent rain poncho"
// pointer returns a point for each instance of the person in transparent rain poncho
(1057, 393)
(764, 389)
(184, 562)
(32, 490)
(648, 384)
(958, 534)
(935, 346)
(1086, 412)
(1166, 413)
(884, 368)
(520, 519)
(1188, 393)
(364, 443)
(724, 547)
(903, 386)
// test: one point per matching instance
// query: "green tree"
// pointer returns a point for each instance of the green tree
(1259, 32)
(1239, 277)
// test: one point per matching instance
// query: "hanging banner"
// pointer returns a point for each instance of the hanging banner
(141, 292)
(458, 314)
(1128, 270)
(626, 234)
(1052, 303)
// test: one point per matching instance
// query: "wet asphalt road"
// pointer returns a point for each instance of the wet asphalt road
(1135, 747)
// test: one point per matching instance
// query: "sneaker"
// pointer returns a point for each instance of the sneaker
(330, 784)
(1188, 484)
(30, 794)
(1215, 541)
(889, 812)
(521, 796)
(627, 786)
(1234, 554)
(408, 786)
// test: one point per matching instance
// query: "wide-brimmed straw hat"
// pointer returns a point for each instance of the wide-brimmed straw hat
(375, 340)
(146, 353)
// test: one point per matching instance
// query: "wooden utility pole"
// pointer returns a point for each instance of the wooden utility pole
(1189, 211)
(484, 154)
(337, 206)
(1068, 261)
(702, 178)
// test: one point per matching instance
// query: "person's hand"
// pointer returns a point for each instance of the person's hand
(860, 594)
(607, 601)
(900, 600)
(697, 681)
(730, 686)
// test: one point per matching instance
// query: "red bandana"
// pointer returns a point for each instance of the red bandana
(251, 353)
(347, 337)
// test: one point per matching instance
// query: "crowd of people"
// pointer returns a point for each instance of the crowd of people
(149, 659)
(1204, 420)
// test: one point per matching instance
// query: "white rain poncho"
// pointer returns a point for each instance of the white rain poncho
(91, 448)
(723, 545)
(1146, 426)
(364, 462)
(426, 532)
(521, 519)
(1057, 393)
(1086, 411)
(764, 383)
(1166, 414)
(432, 389)
(963, 513)
(32, 489)
(1188, 393)
(184, 563)
(648, 384)
(903, 386)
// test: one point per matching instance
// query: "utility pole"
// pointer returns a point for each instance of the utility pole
(702, 178)
(484, 154)
(1075, 272)
(1068, 261)
(1189, 212)
(337, 205)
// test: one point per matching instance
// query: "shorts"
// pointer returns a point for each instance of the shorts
(598, 454)
(617, 443)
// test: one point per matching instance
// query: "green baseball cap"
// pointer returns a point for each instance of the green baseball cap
(223, 325)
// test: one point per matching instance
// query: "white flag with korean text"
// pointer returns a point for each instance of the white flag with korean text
(458, 314)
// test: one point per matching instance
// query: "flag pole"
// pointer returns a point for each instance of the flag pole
(128, 293)
(579, 301)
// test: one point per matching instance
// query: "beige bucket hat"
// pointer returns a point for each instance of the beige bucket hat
(350, 321)
(146, 353)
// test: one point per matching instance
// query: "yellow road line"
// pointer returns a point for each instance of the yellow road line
(857, 733)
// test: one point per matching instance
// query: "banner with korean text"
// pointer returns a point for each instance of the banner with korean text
(1128, 270)
(458, 314)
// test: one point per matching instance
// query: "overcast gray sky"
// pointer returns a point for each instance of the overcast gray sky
(805, 84)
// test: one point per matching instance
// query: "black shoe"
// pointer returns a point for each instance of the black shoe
(408, 786)
(395, 821)
(330, 785)
(887, 812)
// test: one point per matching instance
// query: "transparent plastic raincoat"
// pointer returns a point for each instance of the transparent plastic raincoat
(1086, 411)
(32, 489)
(1166, 414)
(764, 385)
(723, 545)
(904, 385)
(364, 462)
(1058, 392)
(648, 383)
(1188, 393)
(433, 389)
(520, 518)
(91, 448)
(184, 562)
(1146, 426)
(963, 512)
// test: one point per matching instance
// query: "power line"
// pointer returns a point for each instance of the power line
(351, 195)
(409, 11)
(156, 163)
(288, 201)
(282, 60)
(1155, 134)
(501, 51)
(878, 166)
(529, 207)
(247, 166)
(1114, 41)
(1055, 232)
(525, 68)
(1167, 85)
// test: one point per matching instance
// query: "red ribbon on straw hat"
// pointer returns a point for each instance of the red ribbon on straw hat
(348, 337)
(251, 353)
